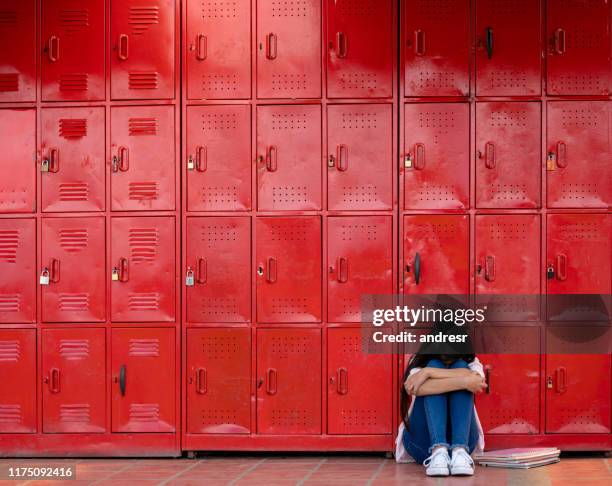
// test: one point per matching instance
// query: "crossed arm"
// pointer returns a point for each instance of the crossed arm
(432, 381)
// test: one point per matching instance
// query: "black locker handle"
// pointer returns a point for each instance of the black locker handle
(489, 41)
(122, 378)
(417, 268)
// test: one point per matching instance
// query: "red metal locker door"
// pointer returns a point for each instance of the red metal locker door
(74, 380)
(18, 390)
(143, 269)
(578, 139)
(288, 269)
(578, 36)
(143, 383)
(289, 381)
(143, 158)
(289, 49)
(359, 386)
(218, 49)
(289, 157)
(17, 270)
(18, 63)
(436, 156)
(73, 162)
(360, 160)
(437, 46)
(218, 273)
(219, 381)
(360, 55)
(508, 160)
(219, 158)
(72, 44)
(360, 263)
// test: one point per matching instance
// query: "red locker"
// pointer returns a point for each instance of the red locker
(219, 158)
(218, 273)
(289, 157)
(359, 386)
(143, 380)
(74, 380)
(508, 147)
(289, 49)
(218, 42)
(142, 158)
(436, 37)
(289, 381)
(578, 142)
(72, 46)
(360, 264)
(360, 160)
(436, 156)
(288, 253)
(73, 162)
(142, 49)
(360, 49)
(18, 371)
(219, 381)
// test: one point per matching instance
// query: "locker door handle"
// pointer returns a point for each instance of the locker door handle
(271, 270)
(342, 274)
(124, 159)
(489, 155)
(342, 383)
(419, 156)
(488, 379)
(561, 155)
(53, 160)
(123, 48)
(489, 41)
(419, 42)
(201, 381)
(559, 41)
(122, 379)
(271, 381)
(561, 267)
(271, 47)
(417, 268)
(54, 380)
(201, 159)
(202, 271)
(54, 270)
(342, 157)
(201, 47)
(341, 45)
(53, 48)
(124, 270)
(560, 379)
(271, 159)
(490, 268)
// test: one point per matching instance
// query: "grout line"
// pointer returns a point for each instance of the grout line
(130, 465)
(377, 472)
(314, 470)
(244, 473)
(197, 462)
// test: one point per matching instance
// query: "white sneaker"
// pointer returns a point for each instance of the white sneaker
(437, 463)
(461, 463)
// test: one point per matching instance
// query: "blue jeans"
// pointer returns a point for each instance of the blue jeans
(437, 420)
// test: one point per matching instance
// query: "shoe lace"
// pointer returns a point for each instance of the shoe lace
(463, 455)
(429, 460)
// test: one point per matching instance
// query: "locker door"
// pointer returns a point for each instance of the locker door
(437, 46)
(17, 270)
(359, 386)
(289, 381)
(507, 266)
(143, 269)
(73, 161)
(74, 380)
(143, 158)
(219, 267)
(360, 160)
(436, 156)
(289, 157)
(359, 262)
(219, 381)
(289, 49)
(578, 267)
(18, 63)
(360, 49)
(508, 147)
(219, 158)
(508, 51)
(143, 382)
(73, 50)
(578, 144)
(288, 269)
(578, 35)
(18, 390)
(218, 49)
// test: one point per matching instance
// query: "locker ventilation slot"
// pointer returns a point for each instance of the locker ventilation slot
(508, 420)
(289, 82)
(74, 349)
(144, 348)
(73, 127)
(143, 80)
(289, 417)
(10, 351)
(10, 414)
(73, 302)
(435, 232)
(436, 192)
(289, 8)
(357, 8)
(580, 417)
(142, 301)
(73, 82)
(360, 418)
(435, 80)
(283, 347)
(218, 309)
(368, 232)
(219, 121)
(295, 233)
(289, 194)
(219, 83)
(359, 120)
(508, 231)
(140, 18)
(73, 240)
(508, 79)
(441, 123)
(73, 191)
(143, 191)
(75, 413)
(219, 417)
(143, 244)
(508, 118)
(9, 243)
(351, 81)
(8, 17)
(579, 232)
(220, 348)
(10, 302)
(74, 20)
(578, 83)
(351, 347)
(143, 126)
(289, 306)
(144, 412)
(219, 10)
(509, 192)
(579, 118)
(214, 234)
(9, 82)
(438, 10)
(216, 195)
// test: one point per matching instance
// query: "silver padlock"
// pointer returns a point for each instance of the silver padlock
(189, 278)
(44, 276)
(115, 275)
(44, 165)
(408, 161)
(190, 163)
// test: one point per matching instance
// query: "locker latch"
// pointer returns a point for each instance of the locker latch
(331, 161)
(408, 161)
(44, 165)
(190, 163)
(45, 276)
(551, 161)
(189, 278)
(549, 382)
(550, 272)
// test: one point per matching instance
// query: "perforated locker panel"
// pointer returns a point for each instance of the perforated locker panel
(289, 381)
(219, 381)
(218, 158)
(360, 159)
(219, 266)
(74, 377)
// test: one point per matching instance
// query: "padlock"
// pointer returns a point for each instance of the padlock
(44, 165)
(551, 161)
(549, 382)
(408, 161)
(190, 163)
(44, 276)
(331, 161)
(115, 275)
(189, 278)
(550, 272)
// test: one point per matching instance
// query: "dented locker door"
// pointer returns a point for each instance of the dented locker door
(142, 158)
(73, 162)
(219, 158)
(360, 160)
(289, 381)
(72, 46)
(143, 380)
(219, 381)
(74, 380)
(142, 269)
(436, 157)
(288, 252)
(218, 49)
(289, 161)
(218, 273)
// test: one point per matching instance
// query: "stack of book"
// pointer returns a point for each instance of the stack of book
(521, 458)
